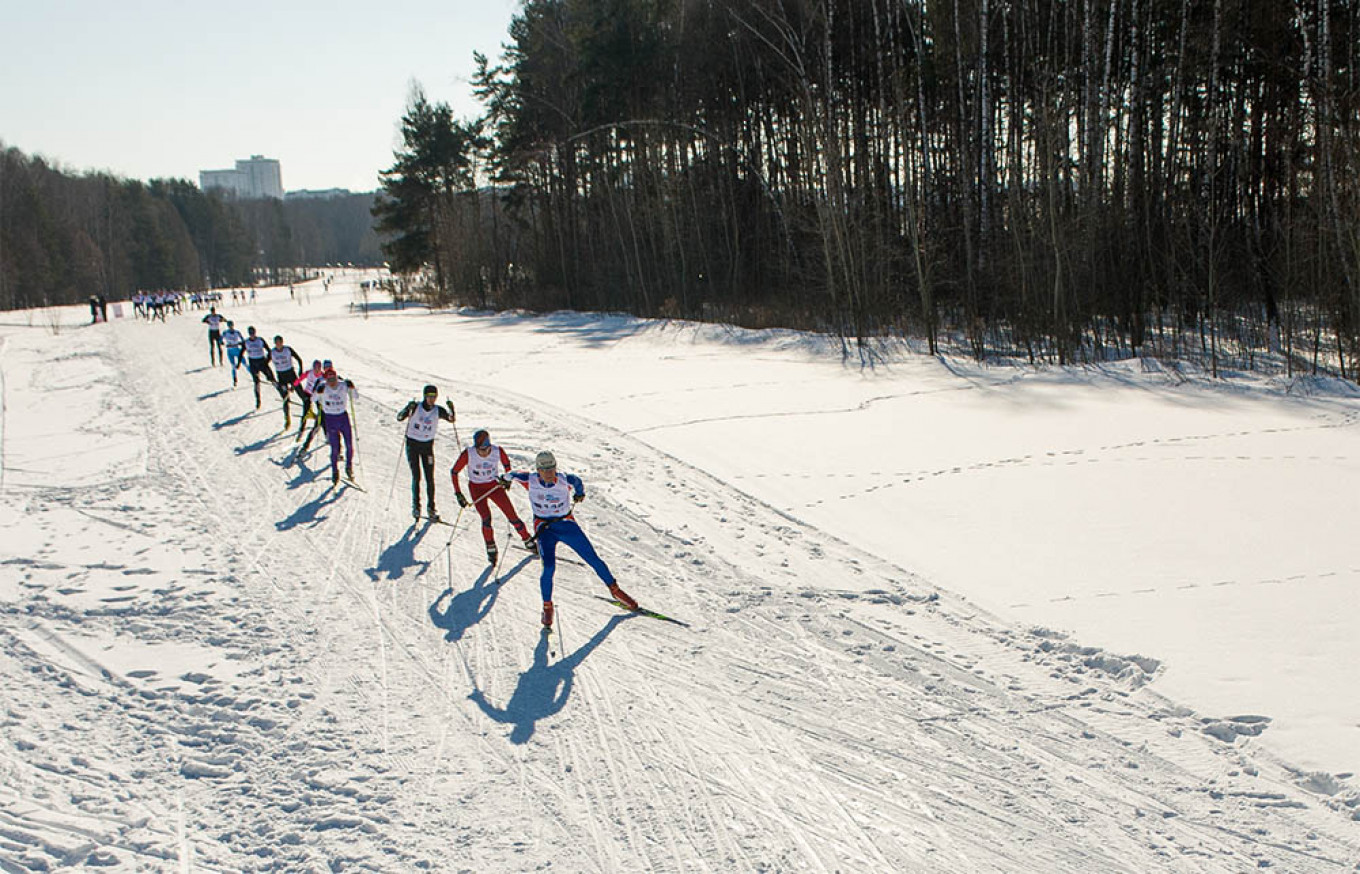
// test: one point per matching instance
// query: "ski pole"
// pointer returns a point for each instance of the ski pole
(489, 493)
(391, 489)
(354, 426)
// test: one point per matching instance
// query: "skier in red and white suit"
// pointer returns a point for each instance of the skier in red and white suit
(484, 462)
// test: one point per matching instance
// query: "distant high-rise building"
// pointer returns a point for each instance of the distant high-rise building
(255, 177)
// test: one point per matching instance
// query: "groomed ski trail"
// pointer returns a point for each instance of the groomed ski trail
(824, 711)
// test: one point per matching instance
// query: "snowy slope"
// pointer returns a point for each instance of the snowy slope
(213, 661)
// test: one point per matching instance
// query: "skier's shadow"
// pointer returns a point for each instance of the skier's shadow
(543, 689)
(304, 476)
(258, 444)
(309, 514)
(399, 556)
(198, 369)
(234, 420)
(465, 609)
(214, 394)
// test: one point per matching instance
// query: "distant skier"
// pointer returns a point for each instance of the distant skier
(552, 497)
(257, 359)
(236, 344)
(282, 357)
(422, 421)
(333, 396)
(484, 463)
(214, 321)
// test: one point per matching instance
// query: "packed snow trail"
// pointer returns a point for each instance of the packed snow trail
(369, 693)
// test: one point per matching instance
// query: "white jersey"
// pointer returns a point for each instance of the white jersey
(333, 401)
(310, 380)
(214, 321)
(483, 470)
(282, 359)
(256, 348)
(550, 501)
(423, 423)
(232, 338)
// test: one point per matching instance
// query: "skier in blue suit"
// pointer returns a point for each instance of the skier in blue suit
(552, 496)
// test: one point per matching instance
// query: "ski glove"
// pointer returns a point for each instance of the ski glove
(462, 501)
(504, 481)
(576, 499)
(406, 411)
(452, 414)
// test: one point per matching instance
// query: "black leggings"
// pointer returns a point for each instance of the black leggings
(420, 455)
(283, 381)
(258, 366)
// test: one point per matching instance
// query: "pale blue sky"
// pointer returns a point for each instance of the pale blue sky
(148, 88)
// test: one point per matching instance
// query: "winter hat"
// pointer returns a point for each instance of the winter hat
(545, 461)
(481, 437)
(329, 373)
(430, 390)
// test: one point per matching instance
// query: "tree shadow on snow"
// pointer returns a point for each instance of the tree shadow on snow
(399, 556)
(309, 514)
(543, 689)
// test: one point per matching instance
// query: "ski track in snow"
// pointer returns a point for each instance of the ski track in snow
(374, 697)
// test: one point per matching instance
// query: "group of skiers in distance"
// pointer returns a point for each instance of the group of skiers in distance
(329, 399)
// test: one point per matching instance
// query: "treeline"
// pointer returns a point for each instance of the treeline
(1054, 179)
(65, 237)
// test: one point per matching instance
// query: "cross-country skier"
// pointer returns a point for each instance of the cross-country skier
(422, 421)
(235, 344)
(282, 357)
(552, 495)
(257, 359)
(214, 322)
(305, 386)
(484, 462)
(333, 396)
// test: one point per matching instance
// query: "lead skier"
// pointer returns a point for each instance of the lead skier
(552, 496)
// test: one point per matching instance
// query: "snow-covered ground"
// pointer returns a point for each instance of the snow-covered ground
(942, 617)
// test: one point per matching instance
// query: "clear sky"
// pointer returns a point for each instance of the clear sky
(159, 88)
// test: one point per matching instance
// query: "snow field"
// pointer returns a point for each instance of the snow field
(303, 680)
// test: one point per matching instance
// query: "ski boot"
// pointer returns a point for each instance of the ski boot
(622, 597)
(547, 615)
(349, 472)
(335, 477)
(415, 511)
(491, 553)
(432, 513)
(530, 543)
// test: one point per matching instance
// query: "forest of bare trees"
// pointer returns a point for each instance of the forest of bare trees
(1055, 180)
(67, 236)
